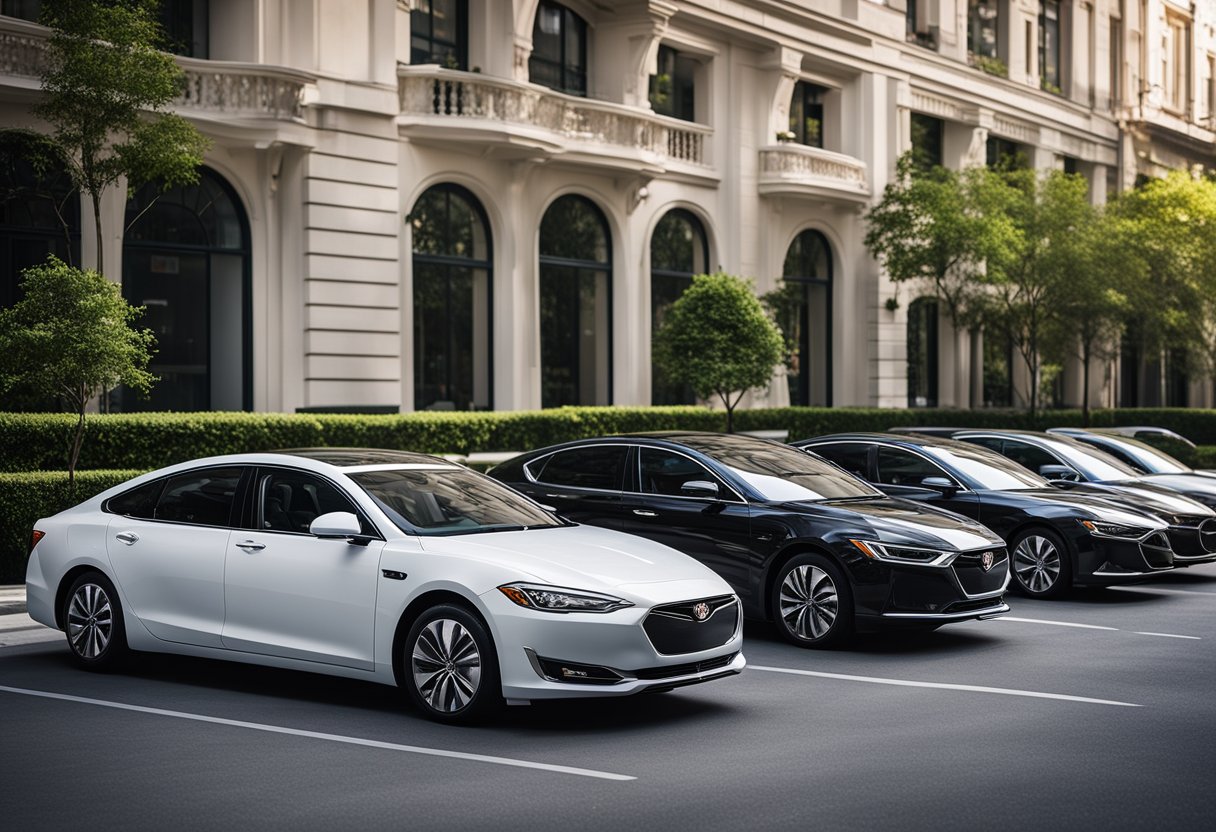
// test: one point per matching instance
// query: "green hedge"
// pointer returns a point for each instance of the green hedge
(26, 497)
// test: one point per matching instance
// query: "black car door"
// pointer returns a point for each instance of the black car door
(713, 529)
(583, 484)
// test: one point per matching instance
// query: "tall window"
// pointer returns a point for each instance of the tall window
(678, 250)
(575, 304)
(804, 313)
(1049, 46)
(1002, 153)
(806, 113)
(24, 9)
(922, 353)
(673, 87)
(185, 26)
(452, 279)
(998, 375)
(928, 134)
(439, 33)
(1116, 61)
(186, 259)
(983, 18)
(559, 49)
(1176, 62)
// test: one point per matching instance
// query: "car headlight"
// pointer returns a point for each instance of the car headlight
(902, 554)
(559, 599)
(1104, 529)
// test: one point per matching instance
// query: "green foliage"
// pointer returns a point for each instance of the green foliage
(989, 65)
(717, 339)
(27, 497)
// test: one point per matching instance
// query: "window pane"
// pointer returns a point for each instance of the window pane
(927, 136)
(982, 22)
(138, 502)
(896, 467)
(200, 497)
(601, 467)
(852, 457)
(806, 114)
(291, 500)
(922, 353)
(1028, 456)
(664, 472)
(573, 228)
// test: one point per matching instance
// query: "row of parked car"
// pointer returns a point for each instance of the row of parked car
(609, 566)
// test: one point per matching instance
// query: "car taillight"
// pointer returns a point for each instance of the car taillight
(35, 536)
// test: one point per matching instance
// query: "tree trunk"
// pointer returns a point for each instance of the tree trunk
(101, 269)
(1086, 354)
(77, 441)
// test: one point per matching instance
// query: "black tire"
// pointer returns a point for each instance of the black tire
(446, 680)
(1040, 562)
(93, 621)
(812, 602)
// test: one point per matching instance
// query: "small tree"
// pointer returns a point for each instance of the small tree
(718, 340)
(107, 86)
(72, 335)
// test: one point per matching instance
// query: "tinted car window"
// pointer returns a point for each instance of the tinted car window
(851, 456)
(200, 497)
(1094, 464)
(1028, 456)
(781, 473)
(1142, 457)
(598, 466)
(665, 472)
(992, 443)
(985, 469)
(138, 502)
(291, 500)
(899, 467)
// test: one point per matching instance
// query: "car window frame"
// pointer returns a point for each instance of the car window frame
(955, 480)
(1006, 441)
(716, 478)
(236, 511)
(252, 511)
(537, 480)
(871, 449)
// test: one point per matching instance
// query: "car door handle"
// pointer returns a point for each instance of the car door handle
(127, 537)
(645, 512)
(251, 546)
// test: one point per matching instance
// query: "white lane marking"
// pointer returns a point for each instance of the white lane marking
(1170, 635)
(1055, 623)
(296, 732)
(1034, 694)
(1160, 589)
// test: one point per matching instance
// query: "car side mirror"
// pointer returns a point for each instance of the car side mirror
(1058, 472)
(337, 525)
(699, 488)
(939, 484)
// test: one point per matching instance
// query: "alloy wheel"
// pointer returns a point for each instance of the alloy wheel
(90, 621)
(446, 665)
(809, 602)
(1036, 560)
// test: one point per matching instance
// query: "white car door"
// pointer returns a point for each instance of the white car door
(167, 546)
(293, 595)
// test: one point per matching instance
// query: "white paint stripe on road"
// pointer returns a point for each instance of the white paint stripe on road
(1170, 635)
(1034, 694)
(1145, 588)
(296, 732)
(1055, 623)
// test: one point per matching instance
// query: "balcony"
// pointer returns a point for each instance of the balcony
(526, 121)
(798, 170)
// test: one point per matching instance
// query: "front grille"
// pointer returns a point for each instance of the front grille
(969, 568)
(1207, 535)
(971, 606)
(1156, 550)
(674, 629)
(671, 671)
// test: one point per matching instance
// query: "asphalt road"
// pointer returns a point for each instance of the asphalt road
(1104, 719)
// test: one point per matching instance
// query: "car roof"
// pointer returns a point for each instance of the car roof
(920, 440)
(359, 457)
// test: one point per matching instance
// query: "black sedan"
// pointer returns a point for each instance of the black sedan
(1077, 466)
(803, 543)
(1150, 460)
(1057, 538)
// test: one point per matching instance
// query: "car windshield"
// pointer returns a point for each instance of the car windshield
(780, 473)
(1095, 465)
(987, 470)
(445, 501)
(1151, 459)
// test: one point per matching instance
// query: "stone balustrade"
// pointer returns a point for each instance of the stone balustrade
(799, 168)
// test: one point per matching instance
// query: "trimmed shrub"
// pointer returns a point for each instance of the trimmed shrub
(26, 497)
(1204, 456)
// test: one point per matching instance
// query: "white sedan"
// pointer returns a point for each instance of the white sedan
(384, 565)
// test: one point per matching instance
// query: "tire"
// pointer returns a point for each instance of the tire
(92, 619)
(812, 602)
(1041, 563)
(450, 667)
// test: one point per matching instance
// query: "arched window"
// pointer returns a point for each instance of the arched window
(575, 304)
(452, 271)
(804, 313)
(922, 353)
(39, 213)
(559, 49)
(678, 250)
(186, 259)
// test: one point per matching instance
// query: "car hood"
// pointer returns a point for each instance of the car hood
(579, 557)
(1092, 506)
(1145, 495)
(903, 522)
(1197, 486)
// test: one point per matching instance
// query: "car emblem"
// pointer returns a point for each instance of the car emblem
(700, 611)
(986, 560)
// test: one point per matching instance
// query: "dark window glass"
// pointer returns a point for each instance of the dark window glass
(1002, 153)
(138, 502)
(899, 467)
(989, 442)
(291, 500)
(559, 49)
(673, 87)
(927, 136)
(439, 33)
(1177, 382)
(201, 498)
(803, 307)
(922, 353)
(851, 456)
(1049, 45)
(575, 304)
(452, 284)
(599, 466)
(665, 472)
(983, 18)
(184, 24)
(24, 9)
(806, 114)
(678, 250)
(1028, 456)
(998, 358)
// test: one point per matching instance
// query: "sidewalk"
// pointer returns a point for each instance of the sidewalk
(16, 627)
